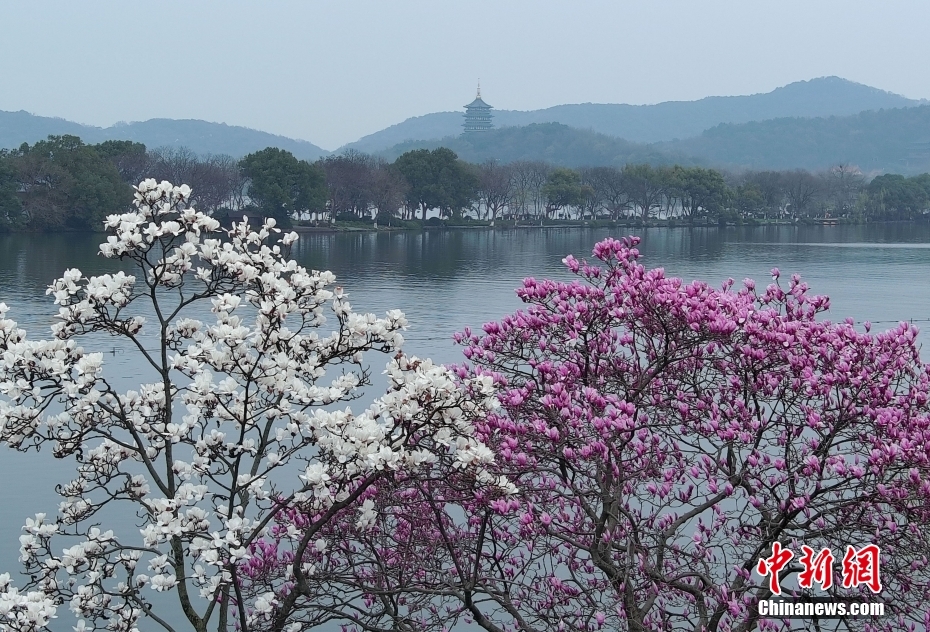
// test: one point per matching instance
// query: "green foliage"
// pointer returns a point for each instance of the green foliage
(563, 188)
(415, 167)
(923, 181)
(698, 190)
(65, 184)
(748, 199)
(893, 196)
(885, 140)
(282, 186)
(645, 186)
(437, 179)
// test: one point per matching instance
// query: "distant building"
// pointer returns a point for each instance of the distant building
(478, 115)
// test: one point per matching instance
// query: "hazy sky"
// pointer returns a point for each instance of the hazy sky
(331, 72)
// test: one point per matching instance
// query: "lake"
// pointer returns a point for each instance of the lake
(445, 280)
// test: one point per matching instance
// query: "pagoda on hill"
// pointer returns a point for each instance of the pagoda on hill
(478, 115)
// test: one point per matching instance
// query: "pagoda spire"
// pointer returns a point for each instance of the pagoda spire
(479, 89)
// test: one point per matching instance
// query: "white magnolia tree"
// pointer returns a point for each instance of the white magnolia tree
(237, 426)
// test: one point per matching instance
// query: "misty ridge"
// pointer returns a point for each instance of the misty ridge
(201, 137)
(671, 120)
(807, 124)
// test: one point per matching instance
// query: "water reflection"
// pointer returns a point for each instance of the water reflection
(447, 279)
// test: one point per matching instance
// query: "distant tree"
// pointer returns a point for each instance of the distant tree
(563, 188)
(539, 175)
(674, 180)
(130, 159)
(349, 182)
(771, 185)
(700, 189)
(748, 199)
(219, 182)
(11, 208)
(388, 188)
(893, 196)
(282, 186)
(923, 181)
(238, 186)
(458, 181)
(520, 183)
(40, 183)
(225, 184)
(216, 179)
(528, 179)
(495, 187)
(593, 202)
(801, 189)
(415, 166)
(611, 194)
(842, 185)
(645, 185)
(437, 179)
(66, 184)
(174, 164)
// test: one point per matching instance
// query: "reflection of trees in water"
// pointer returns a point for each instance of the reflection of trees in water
(698, 243)
(29, 262)
(427, 254)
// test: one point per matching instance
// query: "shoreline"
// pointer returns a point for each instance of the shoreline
(590, 224)
(342, 228)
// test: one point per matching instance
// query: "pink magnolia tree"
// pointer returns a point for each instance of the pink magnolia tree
(663, 437)
(238, 421)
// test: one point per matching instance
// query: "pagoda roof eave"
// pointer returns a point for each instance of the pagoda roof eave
(479, 103)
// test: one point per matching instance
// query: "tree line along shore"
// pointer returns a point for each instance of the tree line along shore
(63, 183)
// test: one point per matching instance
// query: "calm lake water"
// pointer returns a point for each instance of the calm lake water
(447, 280)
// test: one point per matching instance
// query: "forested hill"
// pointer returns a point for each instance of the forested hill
(200, 136)
(550, 142)
(895, 141)
(826, 96)
(891, 141)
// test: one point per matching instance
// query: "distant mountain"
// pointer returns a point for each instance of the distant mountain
(826, 96)
(552, 142)
(419, 128)
(811, 124)
(896, 140)
(21, 127)
(202, 137)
